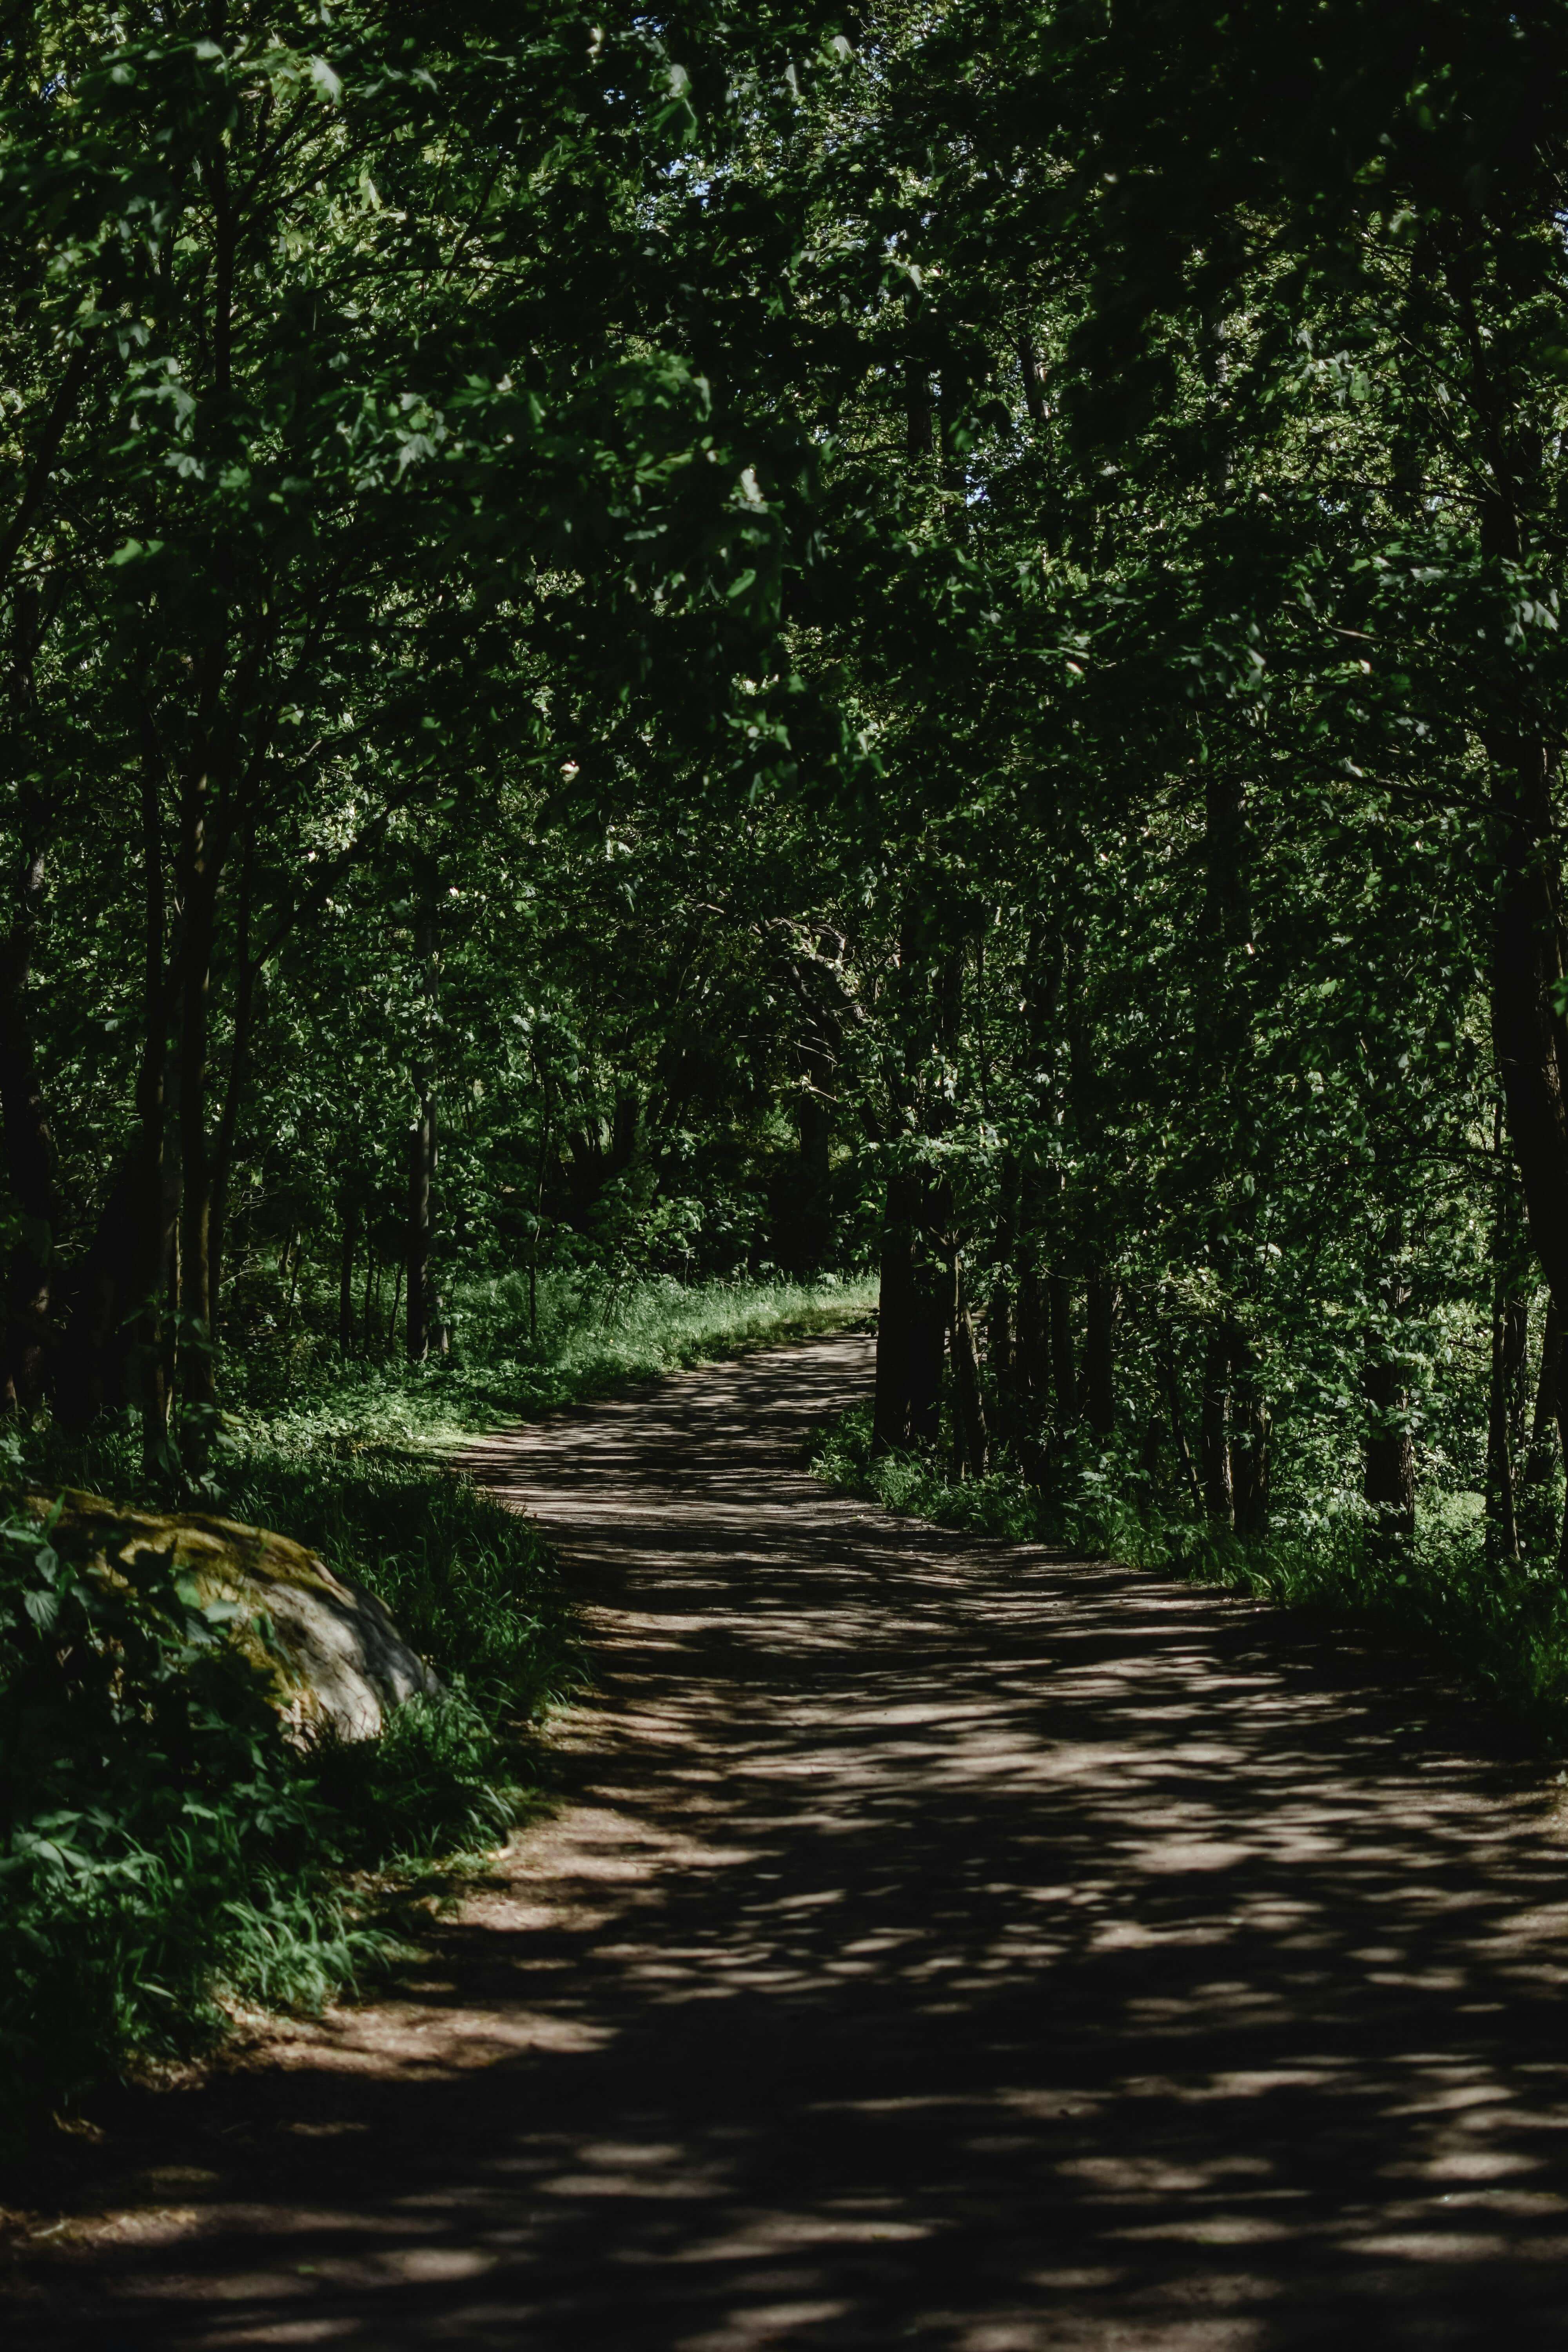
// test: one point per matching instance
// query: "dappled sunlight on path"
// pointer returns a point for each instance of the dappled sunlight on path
(939, 1944)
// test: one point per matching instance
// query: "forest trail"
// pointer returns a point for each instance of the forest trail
(939, 1944)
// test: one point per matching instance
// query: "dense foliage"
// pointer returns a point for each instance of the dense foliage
(708, 647)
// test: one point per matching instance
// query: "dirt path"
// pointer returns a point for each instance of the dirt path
(940, 1945)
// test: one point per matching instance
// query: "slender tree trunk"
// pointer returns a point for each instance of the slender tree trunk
(1560, 1409)
(293, 1288)
(422, 1134)
(1099, 1376)
(815, 1215)
(1064, 1369)
(1516, 1351)
(538, 1211)
(1527, 1030)
(168, 1351)
(1031, 1346)
(969, 1401)
(150, 1272)
(31, 1164)
(1543, 1414)
(372, 1276)
(1235, 1429)
(1249, 1435)
(1389, 1483)
(1501, 1516)
(1509, 1331)
(895, 1318)
(1213, 1431)
(349, 1242)
(933, 1265)
(999, 1335)
(1033, 389)
(396, 1297)
(1537, 1512)
(1031, 1343)
(999, 1321)
(199, 876)
(238, 1071)
(1178, 1429)
(421, 1160)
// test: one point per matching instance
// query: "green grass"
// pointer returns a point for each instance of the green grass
(166, 1853)
(594, 1338)
(1500, 1629)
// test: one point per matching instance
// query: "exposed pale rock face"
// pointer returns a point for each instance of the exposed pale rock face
(337, 1660)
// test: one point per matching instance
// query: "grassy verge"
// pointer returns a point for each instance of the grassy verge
(166, 1853)
(1500, 1628)
(513, 1358)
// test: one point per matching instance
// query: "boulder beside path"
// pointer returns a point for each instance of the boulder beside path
(337, 1660)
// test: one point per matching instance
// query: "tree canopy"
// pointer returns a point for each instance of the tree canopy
(710, 640)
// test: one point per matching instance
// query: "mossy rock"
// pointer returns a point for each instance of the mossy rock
(337, 1660)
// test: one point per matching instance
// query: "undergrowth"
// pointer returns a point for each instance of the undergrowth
(579, 1337)
(1500, 1627)
(167, 1852)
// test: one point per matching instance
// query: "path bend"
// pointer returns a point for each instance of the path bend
(938, 1944)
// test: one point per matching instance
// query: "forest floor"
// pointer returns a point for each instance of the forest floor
(936, 1942)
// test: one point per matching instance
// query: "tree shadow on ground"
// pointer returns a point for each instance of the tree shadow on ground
(941, 1945)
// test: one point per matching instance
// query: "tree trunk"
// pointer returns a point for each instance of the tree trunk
(1389, 1483)
(1033, 389)
(1502, 1523)
(199, 876)
(422, 1134)
(1529, 1035)
(919, 417)
(421, 1165)
(1064, 1370)
(1098, 1363)
(31, 1164)
(895, 1318)
(999, 1335)
(1560, 1408)
(293, 1287)
(913, 1316)
(238, 1070)
(346, 1278)
(1213, 1431)
(969, 1403)
(1000, 1325)
(1537, 1513)
(1178, 1429)
(1031, 1345)
(934, 1268)
(150, 1271)
(813, 1233)
(1249, 1434)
